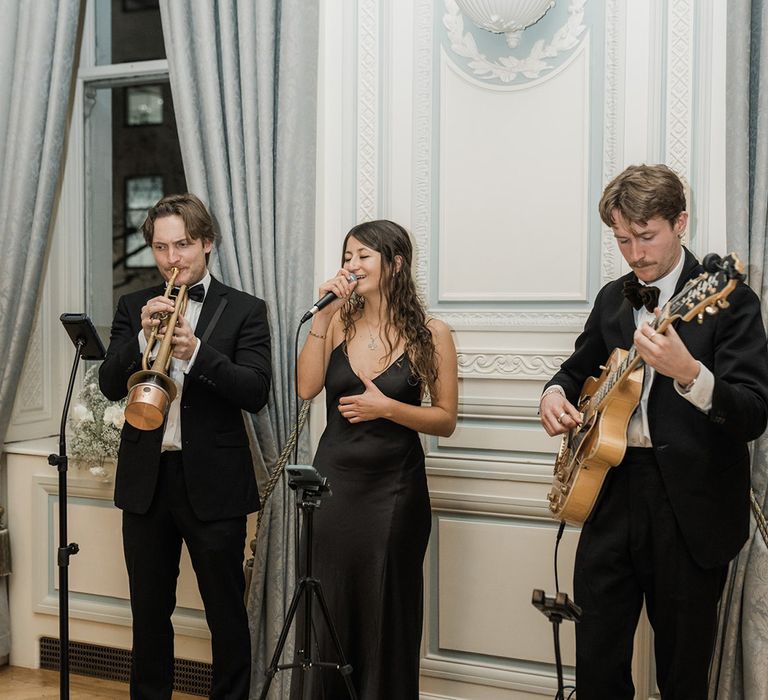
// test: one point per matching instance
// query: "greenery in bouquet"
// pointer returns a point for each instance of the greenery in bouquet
(95, 424)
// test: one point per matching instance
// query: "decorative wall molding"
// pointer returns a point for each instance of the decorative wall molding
(106, 610)
(474, 672)
(679, 86)
(500, 365)
(508, 68)
(610, 260)
(422, 147)
(367, 110)
(451, 501)
(562, 321)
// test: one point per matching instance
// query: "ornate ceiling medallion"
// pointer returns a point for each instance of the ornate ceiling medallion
(508, 17)
(507, 68)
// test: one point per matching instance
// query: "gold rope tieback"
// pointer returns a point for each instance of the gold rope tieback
(762, 524)
(274, 477)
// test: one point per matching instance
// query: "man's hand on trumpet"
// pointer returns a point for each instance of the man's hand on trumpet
(184, 340)
(150, 313)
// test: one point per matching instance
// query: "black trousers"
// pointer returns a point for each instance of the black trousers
(152, 547)
(631, 550)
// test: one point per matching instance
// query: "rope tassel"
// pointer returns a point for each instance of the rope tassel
(5, 547)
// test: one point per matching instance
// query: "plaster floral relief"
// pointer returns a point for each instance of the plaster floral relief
(507, 68)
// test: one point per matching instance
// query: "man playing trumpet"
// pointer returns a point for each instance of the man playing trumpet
(191, 479)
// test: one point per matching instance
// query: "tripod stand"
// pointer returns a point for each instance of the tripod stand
(308, 588)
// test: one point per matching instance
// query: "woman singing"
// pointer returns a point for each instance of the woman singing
(378, 357)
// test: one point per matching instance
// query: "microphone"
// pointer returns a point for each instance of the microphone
(325, 300)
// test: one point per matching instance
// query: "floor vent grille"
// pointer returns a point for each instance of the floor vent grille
(192, 677)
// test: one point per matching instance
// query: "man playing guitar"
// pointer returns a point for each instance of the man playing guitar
(675, 511)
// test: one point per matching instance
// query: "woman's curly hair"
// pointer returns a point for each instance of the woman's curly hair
(406, 317)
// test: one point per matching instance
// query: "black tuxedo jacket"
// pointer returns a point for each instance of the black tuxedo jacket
(703, 458)
(232, 371)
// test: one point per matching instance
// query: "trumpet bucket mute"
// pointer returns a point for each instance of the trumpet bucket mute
(150, 394)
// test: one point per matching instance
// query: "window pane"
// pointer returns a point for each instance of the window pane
(144, 105)
(128, 30)
(140, 194)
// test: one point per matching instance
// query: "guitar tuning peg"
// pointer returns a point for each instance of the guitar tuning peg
(700, 317)
(711, 310)
(723, 303)
(690, 304)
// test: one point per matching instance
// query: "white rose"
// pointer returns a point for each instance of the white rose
(80, 414)
(99, 472)
(115, 416)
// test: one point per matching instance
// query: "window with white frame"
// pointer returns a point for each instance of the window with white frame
(122, 155)
(131, 148)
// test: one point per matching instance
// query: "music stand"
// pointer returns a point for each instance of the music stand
(309, 487)
(88, 346)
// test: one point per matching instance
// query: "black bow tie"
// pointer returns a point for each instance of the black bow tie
(196, 293)
(641, 295)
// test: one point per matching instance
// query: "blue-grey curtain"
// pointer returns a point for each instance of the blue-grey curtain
(739, 665)
(38, 45)
(244, 79)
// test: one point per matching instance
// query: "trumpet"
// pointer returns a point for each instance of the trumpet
(150, 390)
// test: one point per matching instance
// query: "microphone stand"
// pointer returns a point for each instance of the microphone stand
(87, 346)
(65, 551)
(308, 587)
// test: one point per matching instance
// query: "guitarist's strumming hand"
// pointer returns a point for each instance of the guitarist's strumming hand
(557, 414)
(666, 353)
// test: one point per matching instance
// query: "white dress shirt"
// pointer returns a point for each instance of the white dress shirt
(177, 372)
(700, 394)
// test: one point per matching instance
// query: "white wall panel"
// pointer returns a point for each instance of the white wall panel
(98, 605)
(482, 436)
(96, 525)
(513, 187)
(488, 570)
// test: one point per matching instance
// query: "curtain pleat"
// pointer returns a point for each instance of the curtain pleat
(38, 45)
(244, 80)
(738, 667)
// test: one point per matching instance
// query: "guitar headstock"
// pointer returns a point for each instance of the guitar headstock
(707, 293)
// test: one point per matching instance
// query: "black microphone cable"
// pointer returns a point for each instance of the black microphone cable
(299, 519)
(556, 627)
(557, 545)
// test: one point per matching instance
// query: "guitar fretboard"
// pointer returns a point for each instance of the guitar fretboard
(695, 292)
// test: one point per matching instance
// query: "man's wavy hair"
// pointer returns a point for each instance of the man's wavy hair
(642, 192)
(406, 318)
(197, 221)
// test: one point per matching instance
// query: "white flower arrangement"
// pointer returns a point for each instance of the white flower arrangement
(95, 423)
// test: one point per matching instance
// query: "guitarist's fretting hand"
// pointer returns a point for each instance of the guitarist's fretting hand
(666, 353)
(558, 415)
